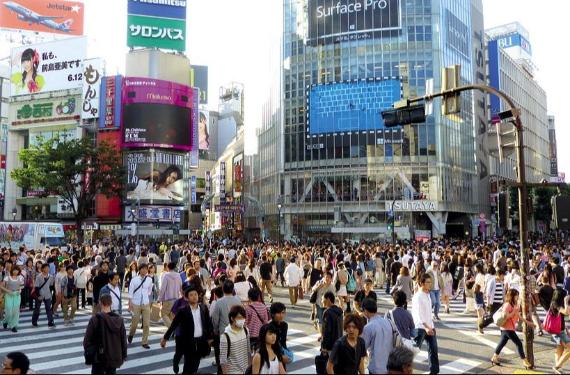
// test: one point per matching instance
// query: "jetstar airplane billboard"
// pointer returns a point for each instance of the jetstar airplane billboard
(48, 16)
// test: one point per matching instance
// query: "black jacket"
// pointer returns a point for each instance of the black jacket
(332, 327)
(281, 330)
(98, 282)
(115, 338)
(185, 321)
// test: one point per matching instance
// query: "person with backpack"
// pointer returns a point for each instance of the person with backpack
(235, 351)
(511, 314)
(379, 337)
(268, 359)
(105, 339)
(195, 334)
(349, 351)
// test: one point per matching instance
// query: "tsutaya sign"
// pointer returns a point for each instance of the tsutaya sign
(414, 206)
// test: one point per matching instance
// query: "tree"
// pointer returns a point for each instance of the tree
(73, 169)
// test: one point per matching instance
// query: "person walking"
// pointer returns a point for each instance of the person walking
(447, 287)
(280, 269)
(81, 275)
(378, 337)
(113, 288)
(401, 317)
(349, 352)
(100, 281)
(196, 332)
(257, 316)
(321, 288)
(69, 296)
(170, 289)
(422, 314)
(435, 292)
(332, 325)
(278, 312)
(220, 317)
(494, 296)
(43, 282)
(265, 270)
(512, 314)
(268, 360)
(106, 336)
(140, 290)
(235, 352)
(559, 308)
(366, 293)
(404, 283)
(293, 276)
(12, 286)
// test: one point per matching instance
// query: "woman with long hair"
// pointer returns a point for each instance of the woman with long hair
(28, 81)
(268, 359)
(12, 286)
(132, 272)
(559, 307)
(508, 329)
(447, 287)
(404, 283)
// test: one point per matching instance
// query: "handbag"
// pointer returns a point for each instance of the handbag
(155, 312)
(301, 293)
(35, 294)
(321, 363)
(94, 353)
(399, 340)
(313, 298)
(289, 354)
(500, 318)
(351, 284)
(553, 323)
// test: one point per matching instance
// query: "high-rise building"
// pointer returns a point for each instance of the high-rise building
(346, 175)
(552, 148)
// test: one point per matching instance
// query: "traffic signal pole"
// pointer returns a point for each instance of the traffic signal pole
(523, 194)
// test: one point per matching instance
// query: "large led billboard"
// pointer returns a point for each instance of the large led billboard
(155, 177)
(344, 20)
(47, 16)
(351, 105)
(157, 114)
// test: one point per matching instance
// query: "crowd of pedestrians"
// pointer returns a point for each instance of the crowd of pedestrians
(219, 296)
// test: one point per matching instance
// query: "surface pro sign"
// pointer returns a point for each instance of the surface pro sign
(345, 20)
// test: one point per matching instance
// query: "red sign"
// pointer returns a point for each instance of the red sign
(2, 161)
(108, 208)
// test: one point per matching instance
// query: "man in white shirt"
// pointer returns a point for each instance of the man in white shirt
(114, 290)
(139, 303)
(293, 277)
(421, 312)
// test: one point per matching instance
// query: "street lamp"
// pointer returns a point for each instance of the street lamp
(14, 213)
(279, 205)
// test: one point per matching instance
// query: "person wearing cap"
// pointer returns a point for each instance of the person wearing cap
(366, 293)
(293, 275)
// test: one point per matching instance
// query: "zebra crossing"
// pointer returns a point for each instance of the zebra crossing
(60, 349)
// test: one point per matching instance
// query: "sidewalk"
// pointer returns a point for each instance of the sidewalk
(512, 364)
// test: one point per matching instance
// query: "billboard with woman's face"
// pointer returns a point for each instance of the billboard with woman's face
(155, 177)
(157, 114)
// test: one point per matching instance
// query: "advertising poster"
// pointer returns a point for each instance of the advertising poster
(157, 114)
(193, 189)
(199, 79)
(153, 32)
(154, 214)
(110, 102)
(222, 181)
(92, 74)
(204, 130)
(345, 20)
(46, 16)
(238, 173)
(155, 177)
(65, 109)
(46, 67)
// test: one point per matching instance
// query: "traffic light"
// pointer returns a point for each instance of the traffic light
(404, 116)
(451, 104)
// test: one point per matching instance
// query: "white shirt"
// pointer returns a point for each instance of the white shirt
(80, 275)
(435, 281)
(421, 310)
(141, 297)
(115, 305)
(293, 275)
(496, 255)
(197, 321)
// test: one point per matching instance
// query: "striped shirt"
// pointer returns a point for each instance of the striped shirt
(256, 315)
(238, 360)
(499, 296)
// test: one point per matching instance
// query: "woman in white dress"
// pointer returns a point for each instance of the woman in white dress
(447, 288)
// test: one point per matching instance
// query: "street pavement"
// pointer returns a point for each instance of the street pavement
(461, 348)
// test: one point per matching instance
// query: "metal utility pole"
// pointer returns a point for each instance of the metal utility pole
(523, 194)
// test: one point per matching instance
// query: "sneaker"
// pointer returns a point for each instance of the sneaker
(176, 369)
(14, 330)
(5, 325)
(51, 325)
(146, 346)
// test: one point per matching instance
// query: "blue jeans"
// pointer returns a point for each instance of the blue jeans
(433, 357)
(434, 294)
(36, 313)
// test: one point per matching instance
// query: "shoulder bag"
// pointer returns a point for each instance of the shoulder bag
(36, 291)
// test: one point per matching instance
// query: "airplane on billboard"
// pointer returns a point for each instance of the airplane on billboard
(27, 15)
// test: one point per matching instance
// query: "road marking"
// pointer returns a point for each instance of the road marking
(459, 366)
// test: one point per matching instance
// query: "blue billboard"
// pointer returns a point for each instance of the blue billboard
(494, 76)
(110, 105)
(351, 105)
(158, 8)
(515, 40)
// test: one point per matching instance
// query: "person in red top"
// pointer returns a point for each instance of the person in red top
(511, 310)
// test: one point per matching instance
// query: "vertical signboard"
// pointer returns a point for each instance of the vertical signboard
(90, 100)
(208, 187)
(199, 79)
(222, 180)
(110, 103)
(494, 76)
(193, 190)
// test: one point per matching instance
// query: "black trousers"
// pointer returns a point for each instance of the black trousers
(178, 351)
(82, 292)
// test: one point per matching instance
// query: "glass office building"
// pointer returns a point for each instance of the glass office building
(344, 173)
